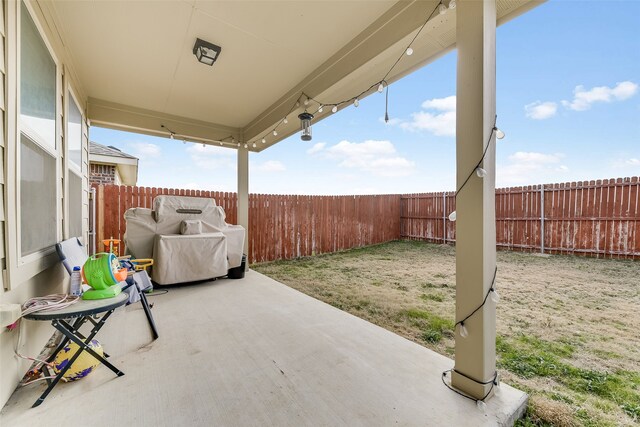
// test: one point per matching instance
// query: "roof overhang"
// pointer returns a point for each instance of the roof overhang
(135, 64)
(127, 167)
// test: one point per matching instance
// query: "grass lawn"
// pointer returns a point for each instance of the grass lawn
(567, 326)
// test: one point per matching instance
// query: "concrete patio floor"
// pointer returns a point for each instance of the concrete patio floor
(256, 352)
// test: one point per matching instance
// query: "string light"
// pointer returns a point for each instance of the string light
(264, 140)
(453, 216)
(452, 4)
(204, 145)
(477, 168)
(254, 145)
(480, 403)
(442, 9)
(245, 145)
(380, 85)
(499, 133)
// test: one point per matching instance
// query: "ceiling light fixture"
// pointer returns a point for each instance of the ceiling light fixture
(206, 52)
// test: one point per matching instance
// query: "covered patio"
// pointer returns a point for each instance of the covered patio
(256, 352)
(253, 351)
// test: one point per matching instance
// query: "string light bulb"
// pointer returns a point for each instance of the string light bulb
(220, 142)
(285, 121)
(203, 145)
(356, 102)
(254, 145)
(264, 140)
(463, 330)
(184, 141)
(453, 216)
(245, 145)
(380, 87)
(306, 102)
(320, 109)
(481, 172)
(495, 297)
(275, 132)
(238, 145)
(442, 9)
(481, 405)
(334, 109)
(452, 4)
(409, 51)
(171, 135)
(499, 133)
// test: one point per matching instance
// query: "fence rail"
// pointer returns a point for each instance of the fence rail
(594, 218)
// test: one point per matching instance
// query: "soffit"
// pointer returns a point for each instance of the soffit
(138, 53)
(135, 64)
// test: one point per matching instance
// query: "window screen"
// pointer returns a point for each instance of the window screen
(37, 84)
(37, 197)
(75, 205)
(74, 133)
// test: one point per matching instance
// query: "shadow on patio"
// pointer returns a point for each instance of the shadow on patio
(256, 352)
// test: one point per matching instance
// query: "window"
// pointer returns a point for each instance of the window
(75, 205)
(38, 197)
(37, 155)
(75, 165)
(74, 134)
(37, 85)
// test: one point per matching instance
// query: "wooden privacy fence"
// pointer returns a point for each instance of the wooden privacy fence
(280, 227)
(596, 218)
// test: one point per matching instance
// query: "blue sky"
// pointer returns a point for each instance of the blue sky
(568, 99)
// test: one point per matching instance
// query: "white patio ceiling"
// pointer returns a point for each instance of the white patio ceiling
(134, 59)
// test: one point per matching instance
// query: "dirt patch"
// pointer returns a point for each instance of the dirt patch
(580, 314)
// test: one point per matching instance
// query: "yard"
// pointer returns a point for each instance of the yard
(567, 326)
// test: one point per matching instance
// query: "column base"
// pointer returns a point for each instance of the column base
(470, 387)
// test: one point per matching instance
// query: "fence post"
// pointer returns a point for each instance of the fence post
(542, 218)
(444, 217)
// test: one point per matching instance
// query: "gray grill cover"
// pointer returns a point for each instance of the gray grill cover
(169, 211)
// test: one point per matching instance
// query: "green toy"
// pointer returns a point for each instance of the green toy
(98, 272)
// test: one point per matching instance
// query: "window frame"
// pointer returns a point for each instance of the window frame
(22, 268)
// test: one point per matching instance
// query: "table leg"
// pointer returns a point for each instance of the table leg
(69, 332)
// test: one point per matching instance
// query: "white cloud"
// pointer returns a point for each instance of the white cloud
(442, 104)
(146, 149)
(316, 148)
(541, 110)
(442, 122)
(211, 157)
(377, 157)
(582, 99)
(268, 166)
(633, 162)
(525, 168)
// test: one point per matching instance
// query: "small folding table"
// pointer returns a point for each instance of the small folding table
(83, 311)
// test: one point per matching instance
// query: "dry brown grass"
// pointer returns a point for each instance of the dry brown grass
(581, 312)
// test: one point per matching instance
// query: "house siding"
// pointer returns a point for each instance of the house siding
(20, 285)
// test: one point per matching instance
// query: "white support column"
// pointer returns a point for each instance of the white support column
(475, 355)
(243, 194)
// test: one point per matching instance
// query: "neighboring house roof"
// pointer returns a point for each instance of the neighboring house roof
(126, 164)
